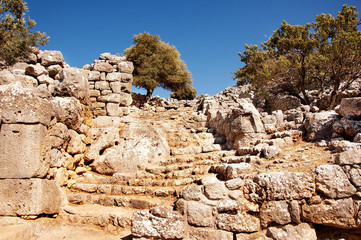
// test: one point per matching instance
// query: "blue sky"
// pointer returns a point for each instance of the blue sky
(208, 34)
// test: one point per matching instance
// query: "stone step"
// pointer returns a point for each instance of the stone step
(17, 231)
(109, 217)
(129, 202)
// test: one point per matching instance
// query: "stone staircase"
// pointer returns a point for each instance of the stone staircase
(109, 201)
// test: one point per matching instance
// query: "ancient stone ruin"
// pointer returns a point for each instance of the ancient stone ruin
(81, 159)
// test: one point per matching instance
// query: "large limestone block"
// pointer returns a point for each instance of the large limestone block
(158, 223)
(350, 107)
(24, 197)
(48, 58)
(141, 144)
(339, 213)
(332, 181)
(286, 185)
(241, 222)
(68, 110)
(199, 214)
(73, 83)
(22, 105)
(319, 126)
(209, 234)
(103, 67)
(292, 232)
(24, 151)
(274, 211)
(349, 157)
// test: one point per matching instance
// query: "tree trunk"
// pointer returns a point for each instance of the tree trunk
(149, 94)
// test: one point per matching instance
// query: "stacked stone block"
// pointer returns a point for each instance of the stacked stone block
(110, 79)
(24, 154)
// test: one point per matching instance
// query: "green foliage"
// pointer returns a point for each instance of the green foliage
(16, 38)
(186, 93)
(157, 64)
(297, 58)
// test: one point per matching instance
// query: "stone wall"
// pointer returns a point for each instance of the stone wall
(44, 107)
(110, 80)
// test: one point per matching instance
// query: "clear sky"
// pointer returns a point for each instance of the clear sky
(208, 34)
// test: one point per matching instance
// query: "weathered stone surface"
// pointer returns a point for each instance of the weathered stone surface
(292, 232)
(6, 77)
(199, 215)
(236, 170)
(34, 158)
(286, 185)
(102, 139)
(318, 126)
(337, 213)
(103, 67)
(68, 111)
(112, 98)
(274, 211)
(192, 192)
(22, 105)
(21, 197)
(215, 190)
(75, 144)
(167, 225)
(114, 77)
(140, 141)
(347, 127)
(73, 83)
(113, 109)
(349, 157)
(54, 70)
(48, 58)
(333, 182)
(350, 107)
(234, 184)
(209, 234)
(126, 67)
(35, 70)
(125, 99)
(241, 222)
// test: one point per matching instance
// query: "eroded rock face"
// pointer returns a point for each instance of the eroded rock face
(337, 213)
(318, 126)
(350, 107)
(241, 222)
(73, 83)
(286, 185)
(333, 182)
(141, 142)
(158, 222)
(32, 197)
(34, 158)
(49, 58)
(23, 105)
(292, 232)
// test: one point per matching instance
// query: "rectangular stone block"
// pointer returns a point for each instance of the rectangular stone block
(24, 197)
(24, 151)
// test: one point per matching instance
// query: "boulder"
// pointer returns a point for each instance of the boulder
(126, 67)
(68, 110)
(338, 213)
(209, 234)
(199, 215)
(73, 82)
(284, 103)
(292, 232)
(241, 222)
(286, 185)
(34, 158)
(103, 67)
(22, 105)
(333, 182)
(347, 127)
(29, 197)
(318, 125)
(350, 107)
(349, 157)
(158, 223)
(6, 77)
(140, 141)
(35, 70)
(274, 211)
(48, 58)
